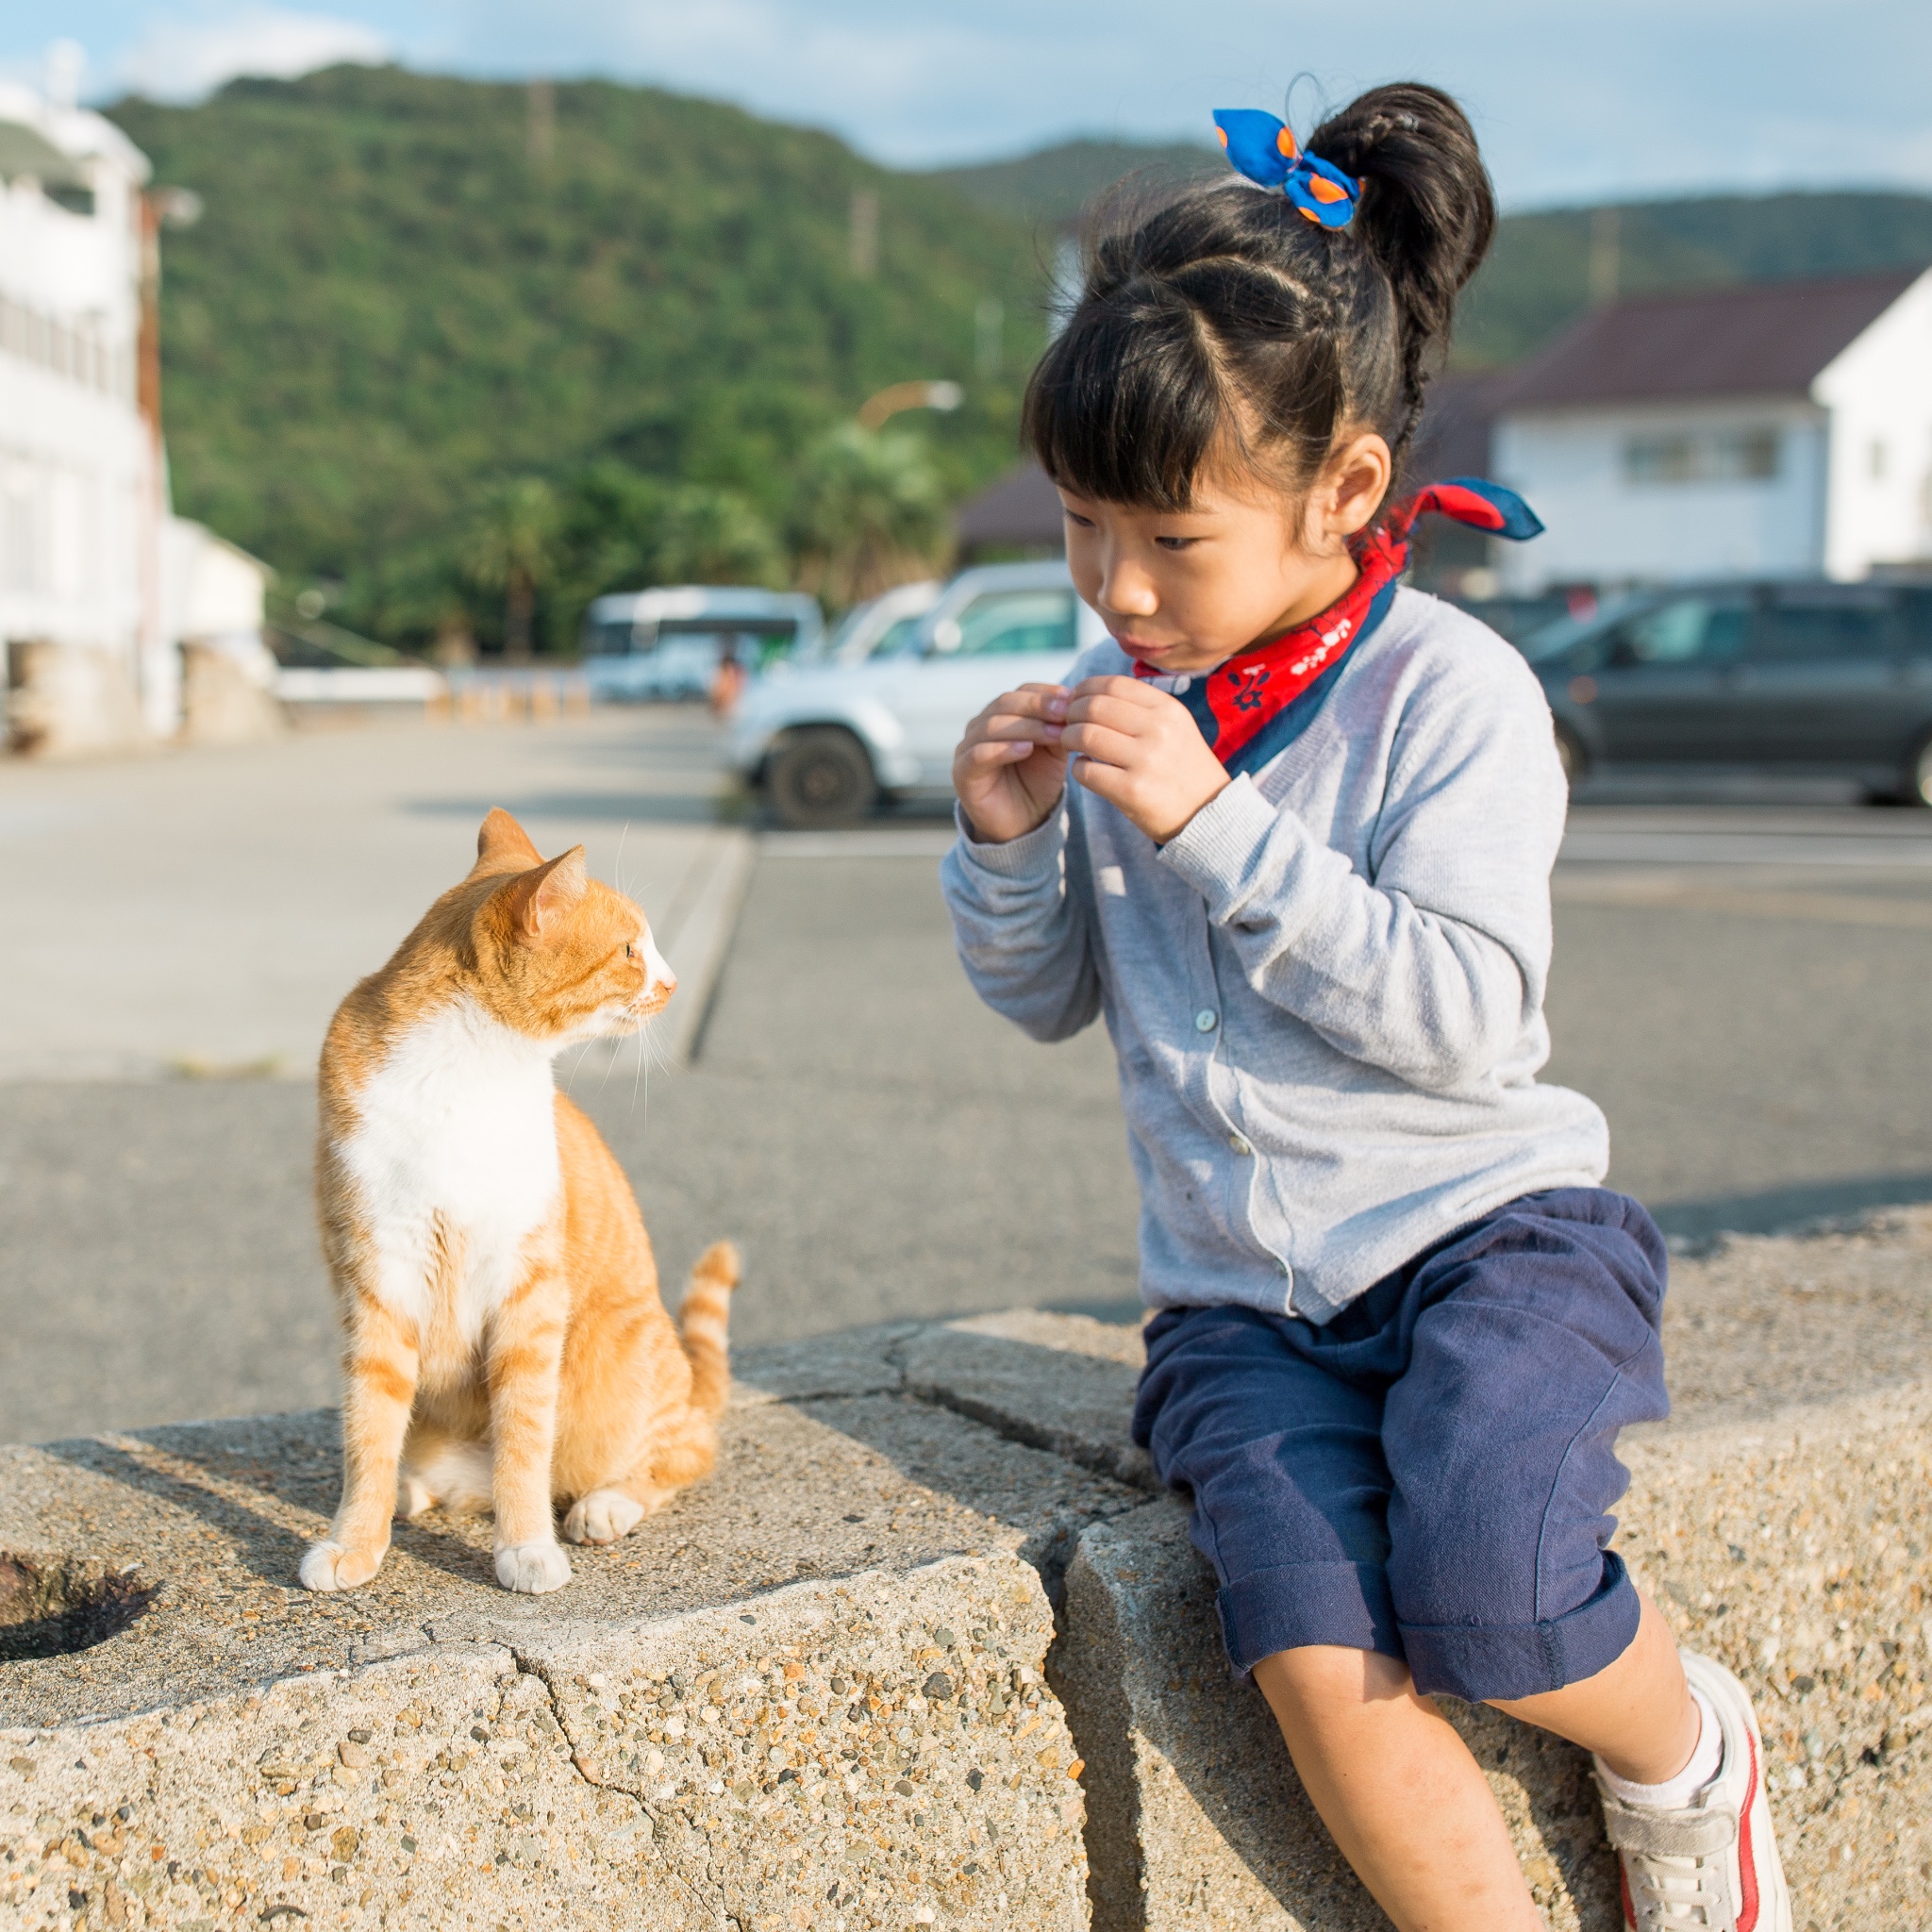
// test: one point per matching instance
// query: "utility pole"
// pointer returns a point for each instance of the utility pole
(864, 238)
(540, 136)
(989, 338)
(1606, 251)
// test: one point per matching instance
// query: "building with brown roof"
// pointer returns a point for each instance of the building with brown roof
(1771, 429)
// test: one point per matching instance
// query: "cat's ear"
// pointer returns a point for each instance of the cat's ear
(503, 845)
(539, 898)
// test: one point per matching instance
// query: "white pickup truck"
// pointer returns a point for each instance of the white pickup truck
(826, 742)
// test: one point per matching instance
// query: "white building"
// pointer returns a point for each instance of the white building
(1772, 430)
(99, 585)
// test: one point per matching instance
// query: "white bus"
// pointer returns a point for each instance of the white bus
(667, 643)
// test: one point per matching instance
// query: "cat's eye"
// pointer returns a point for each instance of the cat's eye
(631, 952)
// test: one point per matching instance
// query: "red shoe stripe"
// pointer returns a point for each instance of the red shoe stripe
(1624, 1887)
(1747, 1867)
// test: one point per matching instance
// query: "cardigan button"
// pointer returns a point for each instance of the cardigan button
(1207, 1020)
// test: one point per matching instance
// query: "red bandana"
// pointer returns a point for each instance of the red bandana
(1255, 685)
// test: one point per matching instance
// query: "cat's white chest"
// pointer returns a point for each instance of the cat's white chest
(456, 1137)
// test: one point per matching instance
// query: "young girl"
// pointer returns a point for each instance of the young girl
(1303, 871)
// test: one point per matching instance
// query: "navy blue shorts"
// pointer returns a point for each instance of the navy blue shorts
(1430, 1474)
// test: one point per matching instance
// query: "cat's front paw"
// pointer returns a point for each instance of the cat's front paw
(533, 1568)
(602, 1517)
(328, 1566)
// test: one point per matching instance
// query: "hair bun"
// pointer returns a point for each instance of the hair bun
(1427, 212)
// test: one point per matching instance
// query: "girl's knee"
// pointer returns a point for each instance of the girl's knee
(1326, 1683)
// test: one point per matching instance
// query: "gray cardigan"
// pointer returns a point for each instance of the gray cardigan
(1327, 993)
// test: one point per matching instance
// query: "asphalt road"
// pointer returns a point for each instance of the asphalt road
(1743, 990)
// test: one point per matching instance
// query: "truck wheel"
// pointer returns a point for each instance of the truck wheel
(1575, 759)
(1915, 780)
(819, 777)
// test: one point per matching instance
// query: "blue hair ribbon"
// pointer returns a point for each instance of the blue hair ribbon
(1264, 150)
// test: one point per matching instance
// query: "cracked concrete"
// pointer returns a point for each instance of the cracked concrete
(815, 1684)
(926, 1651)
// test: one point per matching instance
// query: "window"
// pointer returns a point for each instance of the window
(1692, 631)
(1915, 622)
(607, 639)
(895, 638)
(1006, 621)
(1807, 627)
(1725, 456)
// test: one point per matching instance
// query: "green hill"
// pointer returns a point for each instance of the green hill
(392, 303)
(1539, 275)
(1052, 186)
(1547, 266)
(406, 298)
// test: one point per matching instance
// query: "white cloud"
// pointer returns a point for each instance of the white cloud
(182, 59)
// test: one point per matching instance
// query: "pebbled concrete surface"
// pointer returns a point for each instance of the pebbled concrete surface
(900, 1504)
(841, 1752)
(813, 1685)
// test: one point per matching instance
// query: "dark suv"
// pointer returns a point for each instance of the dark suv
(1800, 678)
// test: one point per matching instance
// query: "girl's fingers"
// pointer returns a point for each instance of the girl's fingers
(1094, 740)
(1104, 781)
(1005, 725)
(994, 751)
(1131, 690)
(1044, 701)
(1116, 714)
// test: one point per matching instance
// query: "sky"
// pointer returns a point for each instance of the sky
(1573, 102)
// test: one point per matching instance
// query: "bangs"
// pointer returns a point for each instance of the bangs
(1129, 402)
(1207, 336)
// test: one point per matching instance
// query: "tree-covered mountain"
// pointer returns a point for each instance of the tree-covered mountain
(1547, 268)
(406, 289)
(1050, 188)
(640, 320)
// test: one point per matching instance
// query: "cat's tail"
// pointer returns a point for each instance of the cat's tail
(703, 1322)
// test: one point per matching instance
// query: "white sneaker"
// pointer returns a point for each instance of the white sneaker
(1711, 1864)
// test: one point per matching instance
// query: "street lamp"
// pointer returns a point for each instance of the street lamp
(945, 397)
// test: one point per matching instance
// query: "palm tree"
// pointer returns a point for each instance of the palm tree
(869, 512)
(511, 546)
(710, 536)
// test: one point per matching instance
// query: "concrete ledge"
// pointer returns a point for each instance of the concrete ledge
(844, 1685)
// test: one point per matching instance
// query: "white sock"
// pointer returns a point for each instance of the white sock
(1676, 1792)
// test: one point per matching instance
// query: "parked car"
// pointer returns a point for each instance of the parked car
(880, 627)
(826, 742)
(667, 643)
(1791, 678)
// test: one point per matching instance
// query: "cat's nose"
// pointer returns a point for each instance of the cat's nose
(662, 979)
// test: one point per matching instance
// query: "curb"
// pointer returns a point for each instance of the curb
(698, 931)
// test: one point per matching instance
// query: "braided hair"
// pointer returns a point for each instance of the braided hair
(1224, 326)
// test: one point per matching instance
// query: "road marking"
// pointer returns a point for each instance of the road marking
(1748, 902)
(1591, 846)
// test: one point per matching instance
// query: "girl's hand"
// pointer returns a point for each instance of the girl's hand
(1140, 750)
(1009, 770)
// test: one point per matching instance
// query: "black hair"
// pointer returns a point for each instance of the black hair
(1227, 325)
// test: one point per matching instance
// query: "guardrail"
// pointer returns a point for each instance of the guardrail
(460, 697)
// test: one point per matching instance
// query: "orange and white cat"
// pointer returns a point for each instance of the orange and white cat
(504, 1340)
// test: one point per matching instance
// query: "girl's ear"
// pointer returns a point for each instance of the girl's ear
(1352, 486)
